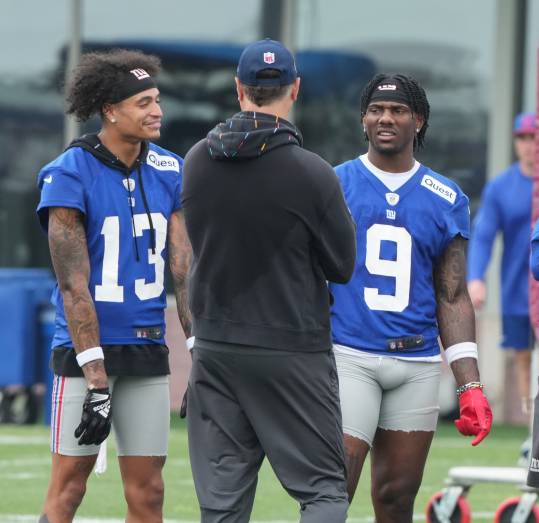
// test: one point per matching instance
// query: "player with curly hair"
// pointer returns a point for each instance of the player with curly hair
(110, 204)
(408, 290)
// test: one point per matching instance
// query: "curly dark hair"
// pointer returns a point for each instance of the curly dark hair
(416, 94)
(96, 77)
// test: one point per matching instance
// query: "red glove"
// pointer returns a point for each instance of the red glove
(475, 415)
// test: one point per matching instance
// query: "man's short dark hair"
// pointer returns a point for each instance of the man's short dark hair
(96, 76)
(264, 95)
(415, 94)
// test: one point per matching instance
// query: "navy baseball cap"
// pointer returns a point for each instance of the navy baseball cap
(524, 124)
(266, 54)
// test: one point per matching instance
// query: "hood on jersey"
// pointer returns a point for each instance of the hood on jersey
(91, 143)
(250, 134)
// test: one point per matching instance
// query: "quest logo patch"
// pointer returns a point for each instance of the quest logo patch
(163, 163)
(442, 190)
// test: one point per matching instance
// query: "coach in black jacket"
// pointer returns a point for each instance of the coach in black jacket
(268, 225)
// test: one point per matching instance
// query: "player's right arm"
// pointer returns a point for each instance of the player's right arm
(69, 254)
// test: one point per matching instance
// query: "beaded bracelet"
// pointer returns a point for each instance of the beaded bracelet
(468, 386)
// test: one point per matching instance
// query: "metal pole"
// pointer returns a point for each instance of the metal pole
(271, 19)
(506, 84)
(278, 21)
(71, 126)
(288, 31)
(288, 24)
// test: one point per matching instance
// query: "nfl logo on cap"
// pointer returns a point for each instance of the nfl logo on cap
(262, 55)
(269, 58)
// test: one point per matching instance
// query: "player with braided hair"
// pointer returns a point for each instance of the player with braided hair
(408, 291)
(414, 93)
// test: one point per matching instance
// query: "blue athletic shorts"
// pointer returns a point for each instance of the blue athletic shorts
(517, 332)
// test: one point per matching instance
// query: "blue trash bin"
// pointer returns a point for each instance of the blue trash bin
(18, 325)
(23, 294)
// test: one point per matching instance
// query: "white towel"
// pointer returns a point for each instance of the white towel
(101, 462)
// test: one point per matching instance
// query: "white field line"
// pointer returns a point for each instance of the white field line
(462, 442)
(369, 519)
(24, 462)
(24, 440)
(22, 476)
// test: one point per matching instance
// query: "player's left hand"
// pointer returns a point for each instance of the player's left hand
(96, 417)
(183, 408)
(475, 415)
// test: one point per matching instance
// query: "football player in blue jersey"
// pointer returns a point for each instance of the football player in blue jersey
(506, 208)
(110, 204)
(408, 291)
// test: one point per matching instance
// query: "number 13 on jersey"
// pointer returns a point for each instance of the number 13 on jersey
(399, 269)
(110, 290)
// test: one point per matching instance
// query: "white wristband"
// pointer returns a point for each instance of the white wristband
(190, 342)
(95, 353)
(466, 349)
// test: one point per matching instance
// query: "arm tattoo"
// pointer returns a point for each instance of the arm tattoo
(180, 255)
(456, 317)
(69, 254)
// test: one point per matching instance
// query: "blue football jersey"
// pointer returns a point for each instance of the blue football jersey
(400, 236)
(129, 294)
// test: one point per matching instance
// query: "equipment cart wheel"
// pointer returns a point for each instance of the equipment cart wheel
(445, 507)
(522, 509)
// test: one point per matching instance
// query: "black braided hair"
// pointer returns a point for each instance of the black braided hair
(416, 94)
(95, 78)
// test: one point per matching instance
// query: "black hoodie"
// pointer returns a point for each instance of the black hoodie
(269, 225)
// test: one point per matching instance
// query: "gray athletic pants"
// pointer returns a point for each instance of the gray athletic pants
(245, 403)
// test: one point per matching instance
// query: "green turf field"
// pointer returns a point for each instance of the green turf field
(24, 469)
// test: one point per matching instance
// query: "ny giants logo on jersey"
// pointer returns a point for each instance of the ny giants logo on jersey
(163, 163)
(391, 214)
(432, 184)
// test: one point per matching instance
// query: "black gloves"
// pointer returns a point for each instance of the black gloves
(96, 417)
